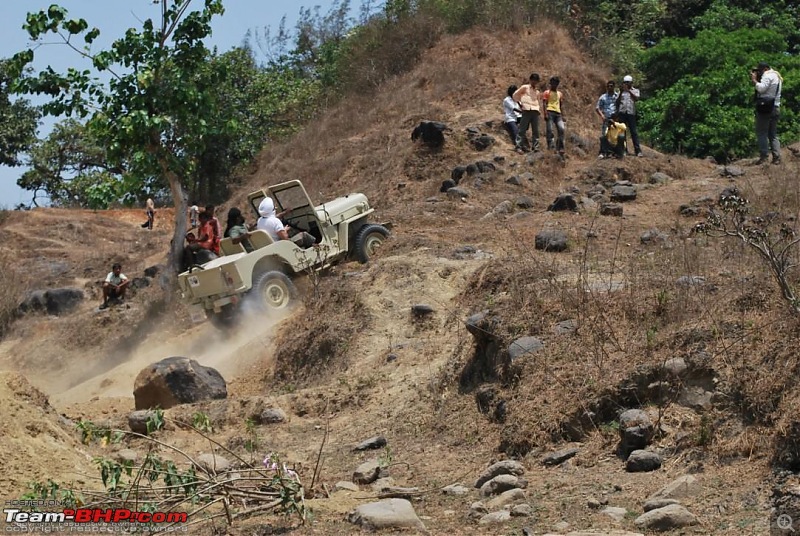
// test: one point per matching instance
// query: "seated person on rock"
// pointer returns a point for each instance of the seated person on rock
(236, 229)
(271, 223)
(613, 143)
(114, 285)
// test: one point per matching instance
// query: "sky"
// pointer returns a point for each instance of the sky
(112, 18)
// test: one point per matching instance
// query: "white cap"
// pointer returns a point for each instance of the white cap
(627, 78)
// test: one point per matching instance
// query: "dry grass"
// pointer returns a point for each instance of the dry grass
(13, 287)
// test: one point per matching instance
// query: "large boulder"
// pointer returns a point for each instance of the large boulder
(177, 380)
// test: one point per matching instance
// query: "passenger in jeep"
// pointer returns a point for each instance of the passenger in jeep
(200, 248)
(236, 229)
(271, 223)
(114, 286)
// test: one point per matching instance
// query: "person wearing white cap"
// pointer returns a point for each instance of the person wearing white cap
(768, 84)
(626, 110)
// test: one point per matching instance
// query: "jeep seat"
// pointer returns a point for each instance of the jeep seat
(260, 239)
(227, 247)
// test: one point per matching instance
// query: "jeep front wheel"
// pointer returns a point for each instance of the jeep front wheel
(274, 291)
(368, 239)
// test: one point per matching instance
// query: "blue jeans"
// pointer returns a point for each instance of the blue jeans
(767, 133)
(630, 122)
(554, 118)
(513, 131)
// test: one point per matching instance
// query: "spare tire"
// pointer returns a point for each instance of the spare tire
(368, 239)
(274, 291)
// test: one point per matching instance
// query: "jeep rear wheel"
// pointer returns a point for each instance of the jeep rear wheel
(368, 239)
(274, 291)
(225, 319)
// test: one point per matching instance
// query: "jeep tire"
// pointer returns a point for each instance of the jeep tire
(368, 239)
(226, 318)
(274, 291)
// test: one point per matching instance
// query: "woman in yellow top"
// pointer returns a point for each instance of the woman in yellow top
(553, 101)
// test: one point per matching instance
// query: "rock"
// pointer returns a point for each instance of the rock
(152, 271)
(689, 210)
(502, 483)
(685, 486)
(611, 209)
(527, 176)
(377, 442)
(396, 491)
(386, 514)
(642, 461)
(696, 398)
(595, 504)
(506, 498)
(383, 482)
(368, 472)
(559, 457)
(505, 467)
(623, 193)
(137, 420)
(691, 281)
(565, 327)
(659, 178)
(472, 169)
(391, 358)
(495, 518)
(653, 236)
(457, 173)
(485, 166)
(551, 240)
(675, 366)
(515, 180)
(140, 282)
(563, 202)
(482, 142)
(177, 380)
(635, 429)
(561, 526)
(212, 463)
(477, 510)
(55, 301)
(673, 516)
(455, 489)
(421, 309)
(345, 485)
(522, 510)
(272, 416)
(614, 512)
(499, 158)
(446, 185)
(652, 504)
(731, 171)
(506, 207)
(524, 346)
(431, 133)
(524, 202)
(457, 193)
(127, 455)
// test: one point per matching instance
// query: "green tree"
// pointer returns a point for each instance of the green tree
(18, 121)
(156, 108)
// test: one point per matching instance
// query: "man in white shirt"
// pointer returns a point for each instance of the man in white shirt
(626, 110)
(768, 84)
(271, 223)
(114, 286)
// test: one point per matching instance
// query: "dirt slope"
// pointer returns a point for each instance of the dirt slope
(400, 375)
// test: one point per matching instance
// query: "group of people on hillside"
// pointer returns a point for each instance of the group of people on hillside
(524, 106)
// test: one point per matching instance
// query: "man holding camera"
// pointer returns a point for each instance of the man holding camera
(626, 110)
(768, 104)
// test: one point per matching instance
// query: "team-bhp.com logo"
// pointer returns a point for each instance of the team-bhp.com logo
(93, 515)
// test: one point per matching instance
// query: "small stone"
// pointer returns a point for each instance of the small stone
(653, 236)
(386, 514)
(377, 442)
(673, 516)
(446, 185)
(391, 358)
(383, 482)
(659, 178)
(506, 498)
(477, 510)
(515, 180)
(455, 489)
(623, 193)
(367, 472)
(522, 510)
(559, 457)
(614, 512)
(563, 202)
(495, 518)
(675, 366)
(685, 486)
(611, 209)
(596, 504)
(213, 463)
(421, 309)
(273, 416)
(502, 483)
(457, 193)
(524, 346)
(505, 467)
(565, 327)
(137, 420)
(506, 207)
(653, 504)
(551, 240)
(527, 176)
(642, 461)
(344, 485)
(691, 281)
(523, 202)
(696, 398)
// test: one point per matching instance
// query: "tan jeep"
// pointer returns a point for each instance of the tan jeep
(340, 227)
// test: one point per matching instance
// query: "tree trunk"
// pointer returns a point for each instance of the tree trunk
(178, 237)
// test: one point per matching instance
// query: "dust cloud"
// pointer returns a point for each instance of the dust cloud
(232, 352)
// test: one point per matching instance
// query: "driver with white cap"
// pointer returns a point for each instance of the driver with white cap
(626, 110)
(271, 223)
